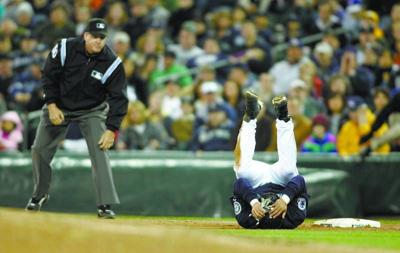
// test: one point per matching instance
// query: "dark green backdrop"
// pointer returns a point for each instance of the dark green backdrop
(184, 184)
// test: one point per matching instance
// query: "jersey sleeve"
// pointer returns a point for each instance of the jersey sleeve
(51, 75)
(295, 187)
(243, 190)
(117, 98)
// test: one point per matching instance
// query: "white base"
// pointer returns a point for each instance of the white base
(348, 223)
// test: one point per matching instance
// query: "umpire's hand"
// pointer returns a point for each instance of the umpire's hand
(56, 116)
(107, 140)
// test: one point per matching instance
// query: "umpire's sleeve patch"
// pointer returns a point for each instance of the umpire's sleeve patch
(237, 208)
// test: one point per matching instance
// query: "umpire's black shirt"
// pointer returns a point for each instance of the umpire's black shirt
(76, 81)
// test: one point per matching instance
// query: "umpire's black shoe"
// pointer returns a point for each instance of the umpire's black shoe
(280, 106)
(253, 106)
(105, 212)
(34, 204)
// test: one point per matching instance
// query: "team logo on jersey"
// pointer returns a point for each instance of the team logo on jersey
(301, 204)
(54, 51)
(97, 75)
(237, 207)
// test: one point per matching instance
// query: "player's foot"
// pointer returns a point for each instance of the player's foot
(34, 204)
(253, 106)
(105, 212)
(280, 106)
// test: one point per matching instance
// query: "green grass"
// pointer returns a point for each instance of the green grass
(367, 239)
(364, 238)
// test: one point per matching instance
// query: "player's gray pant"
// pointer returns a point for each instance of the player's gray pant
(92, 125)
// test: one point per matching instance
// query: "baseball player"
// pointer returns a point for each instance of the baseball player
(84, 82)
(268, 196)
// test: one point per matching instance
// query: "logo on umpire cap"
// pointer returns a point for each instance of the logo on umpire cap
(237, 207)
(100, 25)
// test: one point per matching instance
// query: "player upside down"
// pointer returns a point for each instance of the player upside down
(268, 196)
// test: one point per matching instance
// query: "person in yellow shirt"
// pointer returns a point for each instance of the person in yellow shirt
(359, 123)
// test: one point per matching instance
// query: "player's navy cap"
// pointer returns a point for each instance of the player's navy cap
(97, 26)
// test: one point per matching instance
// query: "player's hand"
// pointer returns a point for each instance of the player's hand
(107, 140)
(279, 208)
(257, 211)
(56, 116)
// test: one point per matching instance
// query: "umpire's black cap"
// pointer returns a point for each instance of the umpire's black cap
(97, 26)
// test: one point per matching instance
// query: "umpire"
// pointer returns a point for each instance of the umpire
(83, 82)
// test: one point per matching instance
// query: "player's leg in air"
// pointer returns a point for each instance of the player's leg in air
(268, 195)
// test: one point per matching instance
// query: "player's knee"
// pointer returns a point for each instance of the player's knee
(37, 150)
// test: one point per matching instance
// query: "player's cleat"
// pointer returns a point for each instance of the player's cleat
(253, 106)
(34, 205)
(280, 106)
(105, 212)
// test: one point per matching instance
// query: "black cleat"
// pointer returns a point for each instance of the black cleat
(253, 106)
(280, 106)
(34, 205)
(105, 212)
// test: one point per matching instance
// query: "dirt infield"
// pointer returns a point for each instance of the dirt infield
(57, 233)
(210, 224)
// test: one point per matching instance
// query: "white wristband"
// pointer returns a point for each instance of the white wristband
(254, 201)
(285, 198)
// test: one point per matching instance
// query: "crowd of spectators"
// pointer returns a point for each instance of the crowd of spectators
(189, 62)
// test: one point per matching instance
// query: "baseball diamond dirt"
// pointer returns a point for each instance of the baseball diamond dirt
(54, 232)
